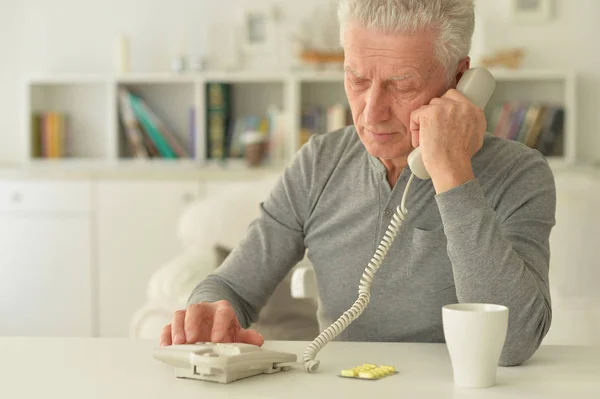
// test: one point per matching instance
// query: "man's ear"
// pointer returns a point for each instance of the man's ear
(463, 66)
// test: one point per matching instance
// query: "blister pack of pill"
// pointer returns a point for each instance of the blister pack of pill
(369, 371)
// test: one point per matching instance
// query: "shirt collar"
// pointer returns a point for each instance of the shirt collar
(377, 166)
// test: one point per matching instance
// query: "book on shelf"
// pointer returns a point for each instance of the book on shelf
(49, 135)
(218, 119)
(225, 133)
(139, 145)
(147, 135)
(192, 132)
(148, 117)
(321, 119)
(535, 124)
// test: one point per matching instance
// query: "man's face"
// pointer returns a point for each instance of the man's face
(387, 77)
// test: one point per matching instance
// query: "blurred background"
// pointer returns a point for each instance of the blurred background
(137, 138)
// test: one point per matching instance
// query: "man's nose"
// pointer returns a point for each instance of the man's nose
(377, 109)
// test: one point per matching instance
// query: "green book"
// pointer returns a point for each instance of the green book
(218, 115)
(36, 135)
(151, 129)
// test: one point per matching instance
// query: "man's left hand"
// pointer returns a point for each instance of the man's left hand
(449, 132)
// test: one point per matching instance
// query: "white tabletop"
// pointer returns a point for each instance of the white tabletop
(113, 368)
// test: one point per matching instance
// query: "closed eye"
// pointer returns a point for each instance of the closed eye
(401, 86)
(358, 83)
(403, 89)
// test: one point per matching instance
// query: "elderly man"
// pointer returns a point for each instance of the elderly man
(478, 231)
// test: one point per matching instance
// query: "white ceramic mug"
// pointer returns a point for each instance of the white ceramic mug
(475, 335)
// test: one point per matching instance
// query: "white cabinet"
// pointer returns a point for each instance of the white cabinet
(136, 234)
(76, 255)
(575, 257)
(45, 259)
(575, 260)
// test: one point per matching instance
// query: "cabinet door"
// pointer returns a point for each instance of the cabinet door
(574, 240)
(574, 270)
(567, 240)
(45, 279)
(137, 233)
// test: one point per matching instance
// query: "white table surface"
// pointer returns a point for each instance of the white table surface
(119, 368)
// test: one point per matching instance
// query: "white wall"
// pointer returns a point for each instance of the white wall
(49, 36)
(8, 85)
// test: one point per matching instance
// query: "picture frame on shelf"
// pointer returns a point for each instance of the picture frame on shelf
(257, 30)
(532, 11)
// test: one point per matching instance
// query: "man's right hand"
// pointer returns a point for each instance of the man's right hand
(207, 322)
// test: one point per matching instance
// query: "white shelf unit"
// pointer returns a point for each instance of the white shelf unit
(97, 138)
(545, 86)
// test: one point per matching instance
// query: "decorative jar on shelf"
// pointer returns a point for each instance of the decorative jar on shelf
(254, 148)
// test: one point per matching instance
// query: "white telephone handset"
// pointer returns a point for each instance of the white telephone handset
(477, 84)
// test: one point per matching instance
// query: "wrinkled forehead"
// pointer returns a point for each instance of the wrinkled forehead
(396, 55)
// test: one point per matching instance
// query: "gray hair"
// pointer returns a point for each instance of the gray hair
(454, 21)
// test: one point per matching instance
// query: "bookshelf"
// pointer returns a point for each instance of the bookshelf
(96, 135)
(547, 88)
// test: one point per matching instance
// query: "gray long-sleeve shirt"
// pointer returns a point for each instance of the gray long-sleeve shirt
(484, 241)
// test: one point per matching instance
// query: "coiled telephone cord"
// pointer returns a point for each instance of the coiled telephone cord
(364, 288)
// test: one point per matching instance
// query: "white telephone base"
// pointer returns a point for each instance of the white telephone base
(223, 363)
